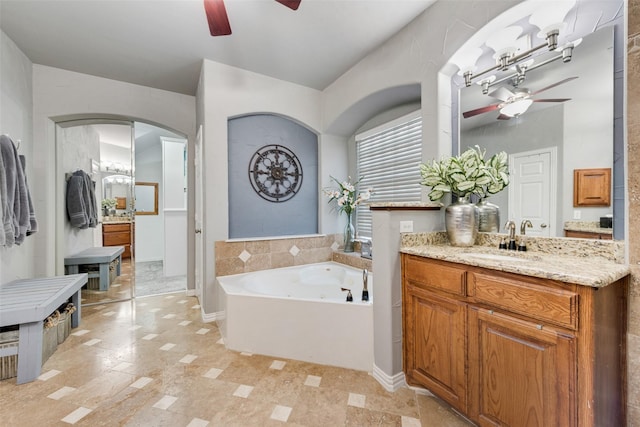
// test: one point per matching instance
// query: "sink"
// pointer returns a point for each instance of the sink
(495, 257)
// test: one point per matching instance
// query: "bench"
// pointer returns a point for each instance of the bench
(99, 255)
(27, 303)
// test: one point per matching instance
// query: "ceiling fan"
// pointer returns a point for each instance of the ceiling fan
(217, 15)
(515, 102)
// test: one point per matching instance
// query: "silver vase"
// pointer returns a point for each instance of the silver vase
(489, 217)
(461, 221)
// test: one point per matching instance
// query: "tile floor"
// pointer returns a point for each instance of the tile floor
(150, 280)
(153, 362)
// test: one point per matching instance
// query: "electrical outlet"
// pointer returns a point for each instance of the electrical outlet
(577, 214)
(406, 226)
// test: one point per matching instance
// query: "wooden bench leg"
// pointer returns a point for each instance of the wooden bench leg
(119, 264)
(104, 276)
(29, 352)
(76, 316)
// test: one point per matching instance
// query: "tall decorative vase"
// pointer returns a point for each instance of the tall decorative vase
(461, 222)
(489, 217)
(349, 235)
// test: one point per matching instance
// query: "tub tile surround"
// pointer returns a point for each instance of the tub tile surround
(236, 257)
(125, 380)
(582, 261)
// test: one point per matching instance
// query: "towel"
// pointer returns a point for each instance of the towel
(33, 223)
(81, 201)
(15, 215)
(4, 223)
(75, 202)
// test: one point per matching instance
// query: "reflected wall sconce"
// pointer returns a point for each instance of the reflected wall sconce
(549, 19)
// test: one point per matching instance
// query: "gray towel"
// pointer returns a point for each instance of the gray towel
(75, 202)
(5, 224)
(15, 218)
(33, 223)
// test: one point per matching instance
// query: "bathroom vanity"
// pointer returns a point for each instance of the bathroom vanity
(517, 339)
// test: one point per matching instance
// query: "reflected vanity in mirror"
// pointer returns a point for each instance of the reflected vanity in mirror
(146, 194)
(570, 127)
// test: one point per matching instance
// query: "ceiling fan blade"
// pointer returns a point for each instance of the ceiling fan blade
(552, 100)
(555, 84)
(502, 93)
(217, 17)
(477, 111)
(503, 117)
(291, 4)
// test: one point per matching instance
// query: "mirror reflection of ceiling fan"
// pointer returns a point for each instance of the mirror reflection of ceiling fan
(515, 102)
(219, 21)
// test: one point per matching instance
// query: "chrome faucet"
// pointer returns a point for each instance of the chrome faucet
(511, 226)
(365, 280)
(525, 223)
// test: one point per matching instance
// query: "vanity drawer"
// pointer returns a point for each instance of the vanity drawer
(112, 228)
(547, 304)
(430, 274)
(116, 239)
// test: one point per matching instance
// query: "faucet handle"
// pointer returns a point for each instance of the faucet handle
(523, 224)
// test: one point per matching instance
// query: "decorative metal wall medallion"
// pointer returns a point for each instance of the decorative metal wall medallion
(275, 173)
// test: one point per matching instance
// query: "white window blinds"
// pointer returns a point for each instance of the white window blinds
(388, 159)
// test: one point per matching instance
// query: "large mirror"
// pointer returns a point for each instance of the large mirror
(572, 129)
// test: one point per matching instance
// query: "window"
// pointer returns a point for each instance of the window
(388, 158)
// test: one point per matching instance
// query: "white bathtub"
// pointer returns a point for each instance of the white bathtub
(299, 313)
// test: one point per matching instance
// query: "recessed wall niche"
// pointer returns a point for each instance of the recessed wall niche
(251, 215)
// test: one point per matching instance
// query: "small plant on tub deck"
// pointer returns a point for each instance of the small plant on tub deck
(466, 174)
(346, 195)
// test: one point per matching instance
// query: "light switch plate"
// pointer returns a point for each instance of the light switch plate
(406, 226)
(577, 214)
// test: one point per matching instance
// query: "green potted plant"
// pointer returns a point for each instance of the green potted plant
(108, 205)
(465, 175)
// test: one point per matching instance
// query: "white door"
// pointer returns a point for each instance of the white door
(532, 190)
(199, 250)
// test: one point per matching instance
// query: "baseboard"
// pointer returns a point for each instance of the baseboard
(390, 383)
(191, 292)
(210, 317)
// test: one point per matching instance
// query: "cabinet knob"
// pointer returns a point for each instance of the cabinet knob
(543, 225)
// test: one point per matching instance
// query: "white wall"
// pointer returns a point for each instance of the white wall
(149, 238)
(227, 92)
(81, 145)
(59, 94)
(16, 120)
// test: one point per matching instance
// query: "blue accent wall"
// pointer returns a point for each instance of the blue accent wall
(249, 214)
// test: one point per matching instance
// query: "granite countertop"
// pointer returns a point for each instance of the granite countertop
(588, 271)
(587, 226)
(116, 221)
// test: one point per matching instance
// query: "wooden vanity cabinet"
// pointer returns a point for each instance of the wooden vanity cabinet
(512, 350)
(588, 235)
(118, 234)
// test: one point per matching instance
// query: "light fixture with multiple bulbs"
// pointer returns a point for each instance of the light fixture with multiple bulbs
(549, 19)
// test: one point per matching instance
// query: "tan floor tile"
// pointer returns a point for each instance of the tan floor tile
(320, 407)
(102, 376)
(434, 412)
(366, 417)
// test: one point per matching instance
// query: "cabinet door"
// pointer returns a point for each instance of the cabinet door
(435, 351)
(521, 374)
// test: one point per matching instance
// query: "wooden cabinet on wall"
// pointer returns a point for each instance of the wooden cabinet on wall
(512, 350)
(118, 234)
